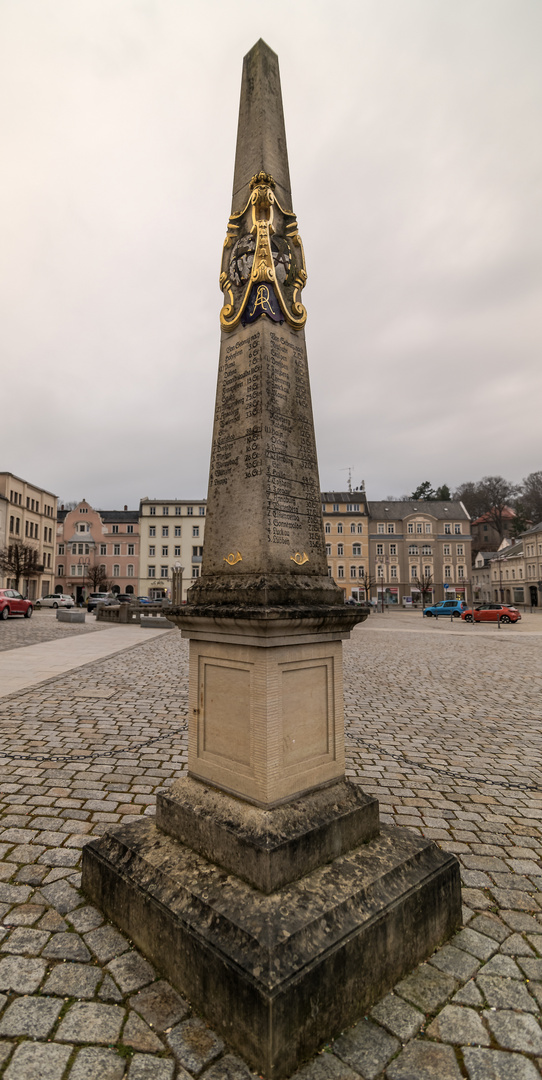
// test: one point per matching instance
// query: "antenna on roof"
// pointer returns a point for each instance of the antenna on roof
(349, 471)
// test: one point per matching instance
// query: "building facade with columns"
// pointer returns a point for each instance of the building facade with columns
(171, 536)
(29, 517)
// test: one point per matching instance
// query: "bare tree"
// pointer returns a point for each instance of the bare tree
(97, 576)
(424, 585)
(368, 584)
(530, 500)
(498, 494)
(19, 561)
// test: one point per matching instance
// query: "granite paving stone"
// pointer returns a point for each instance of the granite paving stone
(497, 1065)
(491, 926)
(519, 920)
(229, 1067)
(426, 987)
(424, 1061)
(367, 1048)
(106, 943)
(477, 944)
(131, 972)
(139, 1035)
(38, 1061)
(515, 1031)
(87, 1022)
(532, 968)
(456, 962)
(398, 1017)
(21, 974)
(109, 990)
(194, 1044)
(5, 1050)
(516, 945)
(66, 947)
(459, 1025)
(469, 994)
(25, 940)
(145, 1067)
(63, 897)
(93, 1063)
(85, 919)
(160, 1005)
(505, 993)
(31, 1016)
(73, 980)
(24, 915)
(501, 965)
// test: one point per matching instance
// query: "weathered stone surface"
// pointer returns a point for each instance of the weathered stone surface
(424, 1061)
(87, 1022)
(516, 945)
(92, 1063)
(109, 990)
(130, 971)
(477, 944)
(62, 896)
(139, 1035)
(326, 1067)
(31, 1016)
(66, 947)
(532, 968)
(469, 994)
(482, 1064)
(31, 1061)
(24, 915)
(21, 974)
(398, 1017)
(505, 993)
(160, 1005)
(106, 943)
(427, 988)
(73, 980)
(26, 941)
(194, 1044)
(85, 919)
(491, 926)
(501, 965)
(5, 1050)
(229, 1068)
(515, 1031)
(144, 1067)
(456, 1024)
(367, 1048)
(455, 962)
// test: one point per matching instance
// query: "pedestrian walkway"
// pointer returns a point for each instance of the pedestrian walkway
(23, 668)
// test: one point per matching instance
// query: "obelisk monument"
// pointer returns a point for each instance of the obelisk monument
(266, 889)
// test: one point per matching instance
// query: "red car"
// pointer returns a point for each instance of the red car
(12, 603)
(492, 613)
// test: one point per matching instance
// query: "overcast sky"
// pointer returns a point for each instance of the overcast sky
(416, 164)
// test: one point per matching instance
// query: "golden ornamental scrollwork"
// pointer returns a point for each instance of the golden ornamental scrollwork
(262, 246)
(232, 559)
(299, 559)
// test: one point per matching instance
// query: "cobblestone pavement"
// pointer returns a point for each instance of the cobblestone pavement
(438, 728)
(18, 631)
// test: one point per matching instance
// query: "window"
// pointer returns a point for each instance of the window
(340, 549)
(130, 570)
(323, 508)
(165, 530)
(82, 510)
(461, 571)
(80, 549)
(190, 510)
(73, 570)
(327, 527)
(131, 549)
(197, 552)
(447, 571)
(447, 528)
(393, 571)
(178, 510)
(195, 530)
(152, 512)
(380, 571)
(115, 529)
(165, 551)
(419, 527)
(360, 528)
(391, 527)
(152, 530)
(152, 550)
(202, 511)
(361, 571)
(163, 571)
(151, 571)
(116, 570)
(335, 508)
(393, 549)
(340, 571)
(82, 528)
(328, 549)
(116, 549)
(412, 549)
(11, 524)
(459, 549)
(165, 511)
(353, 571)
(79, 570)
(195, 571)
(428, 526)
(356, 549)
(60, 571)
(61, 549)
(447, 549)
(410, 527)
(380, 549)
(129, 528)
(103, 549)
(353, 527)
(177, 530)
(177, 550)
(427, 571)
(87, 549)
(414, 571)
(457, 528)
(380, 529)
(353, 508)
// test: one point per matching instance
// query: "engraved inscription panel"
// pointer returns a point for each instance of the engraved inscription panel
(306, 713)
(225, 711)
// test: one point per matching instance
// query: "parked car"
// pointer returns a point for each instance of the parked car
(12, 603)
(454, 608)
(125, 598)
(143, 600)
(96, 598)
(491, 613)
(54, 600)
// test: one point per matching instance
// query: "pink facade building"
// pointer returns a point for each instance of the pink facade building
(87, 540)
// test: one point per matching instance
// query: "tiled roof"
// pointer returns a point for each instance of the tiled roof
(443, 511)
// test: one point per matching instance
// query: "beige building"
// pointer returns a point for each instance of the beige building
(171, 535)
(516, 570)
(412, 542)
(347, 540)
(30, 519)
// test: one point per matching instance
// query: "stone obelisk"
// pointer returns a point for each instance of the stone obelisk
(266, 889)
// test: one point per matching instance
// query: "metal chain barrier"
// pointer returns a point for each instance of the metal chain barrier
(440, 772)
(93, 753)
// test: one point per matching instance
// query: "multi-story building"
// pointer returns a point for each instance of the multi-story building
(532, 542)
(30, 520)
(171, 536)
(89, 540)
(347, 540)
(485, 537)
(411, 543)
(481, 576)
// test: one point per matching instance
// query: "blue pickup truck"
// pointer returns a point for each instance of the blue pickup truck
(454, 608)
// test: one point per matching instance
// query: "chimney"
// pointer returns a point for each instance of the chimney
(125, 507)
